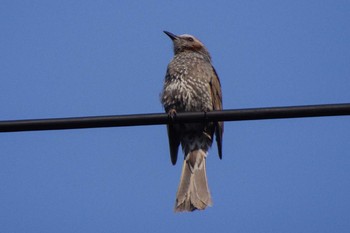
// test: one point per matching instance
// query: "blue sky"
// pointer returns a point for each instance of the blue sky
(90, 58)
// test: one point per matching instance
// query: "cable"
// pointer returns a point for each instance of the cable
(187, 117)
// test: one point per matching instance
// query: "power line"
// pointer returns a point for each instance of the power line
(188, 117)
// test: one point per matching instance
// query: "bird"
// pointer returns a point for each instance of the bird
(191, 84)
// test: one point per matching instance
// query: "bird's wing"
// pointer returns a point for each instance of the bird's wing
(173, 136)
(174, 143)
(216, 95)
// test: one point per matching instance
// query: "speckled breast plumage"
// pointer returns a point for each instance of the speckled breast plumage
(186, 86)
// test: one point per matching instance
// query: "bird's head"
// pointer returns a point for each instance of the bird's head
(187, 42)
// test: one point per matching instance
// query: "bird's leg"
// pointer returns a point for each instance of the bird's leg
(205, 122)
(205, 115)
(205, 119)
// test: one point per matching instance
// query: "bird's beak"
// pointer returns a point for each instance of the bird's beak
(171, 35)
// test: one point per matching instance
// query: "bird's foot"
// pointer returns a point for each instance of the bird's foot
(172, 114)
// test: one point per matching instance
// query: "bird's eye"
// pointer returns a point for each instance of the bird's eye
(190, 39)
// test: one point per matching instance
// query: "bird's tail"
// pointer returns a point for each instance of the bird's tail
(193, 192)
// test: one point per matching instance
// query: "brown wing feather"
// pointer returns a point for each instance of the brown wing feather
(216, 94)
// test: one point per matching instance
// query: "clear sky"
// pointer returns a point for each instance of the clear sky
(90, 58)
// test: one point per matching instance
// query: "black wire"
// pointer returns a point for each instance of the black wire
(188, 117)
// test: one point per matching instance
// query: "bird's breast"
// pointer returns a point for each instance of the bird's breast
(186, 91)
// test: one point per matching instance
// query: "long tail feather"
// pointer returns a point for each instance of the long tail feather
(193, 192)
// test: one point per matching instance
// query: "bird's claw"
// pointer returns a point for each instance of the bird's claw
(172, 114)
